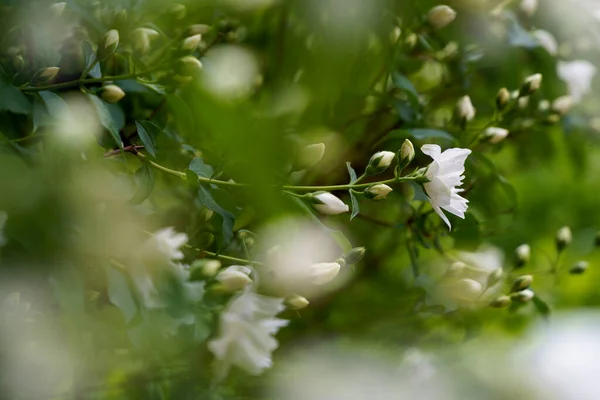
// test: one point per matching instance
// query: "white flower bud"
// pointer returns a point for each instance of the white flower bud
(500, 302)
(529, 6)
(494, 277)
(563, 104)
(323, 273)
(563, 238)
(522, 253)
(177, 11)
(579, 268)
(522, 283)
(469, 288)
(456, 268)
(57, 9)
(309, 155)
(234, 278)
(111, 42)
(465, 109)
(328, 204)
(379, 162)
(531, 84)
(495, 134)
(191, 43)
(211, 267)
(112, 93)
(188, 66)
(296, 302)
(523, 296)
(546, 40)
(142, 38)
(406, 154)
(543, 105)
(523, 102)
(502, 98)
(198, 29)
(440, 16)
(49, 73)
(377, 192)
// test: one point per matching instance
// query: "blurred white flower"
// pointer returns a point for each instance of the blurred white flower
(578, 75)
(546, 40)
(529, 7)
(495, 134)
(246, 332)
(445, 175)
(440, 16)
(465, 109)
(230, 72)
(328, 204)
(235, 277)
(3, 218)
(164, 246)
(562, 104)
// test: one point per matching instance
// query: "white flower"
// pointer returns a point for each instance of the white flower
(578, 76)
(440, 16)
(529, 6)
(378, 192)
(546, 40)
(3, 218)
(164, 246)
(235, 277)
(328, 204)
(495, 134)
(562, 104)
(323, 273)
(465, 109)
(246, 332)
(445, 175)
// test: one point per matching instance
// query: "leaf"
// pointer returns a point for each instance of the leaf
(542, 307)
(354, 203)
(352, 172)
(144, 180)
(12, 99)
(89, 58)
(402, 82)
(106, 118)
(55, 105)
(227, 218)
(425, 134)
(147, 132)
(119, 293)
(202, 328)
(198, 166)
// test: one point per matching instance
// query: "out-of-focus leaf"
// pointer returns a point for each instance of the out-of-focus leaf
(106, 118)
(144, 180)
(89, 58)
(351, 172)
(198, 166)
(119, 293)
(540, 305)
(227, 218)
(402, 82)
(202, 328)
(354, 203)
(420, 134)
(55, 105)
(12, 99)
(147, 132)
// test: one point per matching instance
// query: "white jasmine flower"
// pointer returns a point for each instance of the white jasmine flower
(445, 175)
(164, 246)
(323, 273)
(578, 75)
(246, 332)
(546, 40)
(562, 104)
(495, 134)
(328, 204)
(440, 16)
(529, 6)
(465, 109)
(235, 277)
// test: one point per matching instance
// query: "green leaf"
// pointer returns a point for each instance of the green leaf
(198, 166)
(354, 203)
(89, 58)
(227, 218)
(119, 293)
(106, 118)
(202, 328)
(144, 180)
(12, 99)
(542, 307)
(402, 82)
(426, 134)
(147, 132)
(55, 105)
(352, 172)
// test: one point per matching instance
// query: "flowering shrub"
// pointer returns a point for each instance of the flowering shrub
(191, 191)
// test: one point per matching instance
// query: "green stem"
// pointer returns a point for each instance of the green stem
(227, 258)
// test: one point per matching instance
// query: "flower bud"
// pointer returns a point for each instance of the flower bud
(234, 278)
(210, 267)
(377, 192)
(529, 6)
(522, 283)
(111, 42)
(323, 273)
(502, 98)
(523, 102)
(494, 277)
(464, 109)
(530, 85)
(563, 238)
(579, 268)
(562, 104)
(543, 105)
(296, 302)
(57, 9)
(456, 268)
(142, 38)
(18, 62)
(308, 156)
(177, 11)
(523, 296)
(469, 288)
(495, 134)
(112, 93)
(405, 155)
(355, 255)
(49, 73)
(395, 34)
(379, 162)
(198, 29)
(500, 302)
(191, 43)
(328, 204)
(440, 16)
(188, 66)
(522, 254)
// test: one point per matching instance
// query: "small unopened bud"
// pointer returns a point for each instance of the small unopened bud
(523, 102)
(111, 42)
(328, 204)
(579, 268)
(210, 267)
(377, 192)
(198, 29)
(464, 109)
(522, 283)
(57, 9)
(523, 296)
(191, 43)
(562, 104)
(502, 98)
(494, 277)
(522, 255)
(469, 287)
(188, 66)
(456, 268)
(142, 38)
(500, 302)
(308, 156)
(495, 135)
(234, 278)
(543, 105)
(177, 11)
(411, 40)
(405, 155)
(323, 273)
(355, 255)
(530, 85)
(440, 16)
(296, 302)
(49, 73)
(112, 93)
(395, 35)
(563, 238)
(529, 6)
(379, 162)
